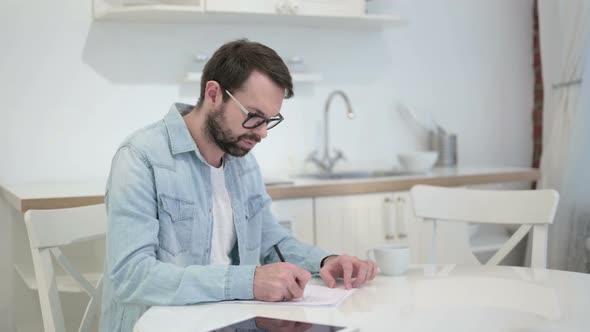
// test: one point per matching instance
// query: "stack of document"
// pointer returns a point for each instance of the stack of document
(314, 295)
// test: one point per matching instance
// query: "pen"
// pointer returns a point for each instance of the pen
(279, 253)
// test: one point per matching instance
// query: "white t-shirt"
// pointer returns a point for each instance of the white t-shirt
(224, 233)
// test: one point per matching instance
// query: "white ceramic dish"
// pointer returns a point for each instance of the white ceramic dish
(418, 161)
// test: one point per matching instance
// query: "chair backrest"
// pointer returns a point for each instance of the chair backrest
(47, 231)
(532, 209)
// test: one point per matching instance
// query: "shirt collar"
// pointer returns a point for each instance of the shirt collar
(180, 138)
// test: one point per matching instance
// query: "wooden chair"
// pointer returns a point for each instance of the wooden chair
(534, 210)
(50, 229)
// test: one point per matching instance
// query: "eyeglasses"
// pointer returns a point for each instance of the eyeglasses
(254, 120)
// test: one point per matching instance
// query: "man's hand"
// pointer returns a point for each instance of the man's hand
(348, 267)
(279, 282)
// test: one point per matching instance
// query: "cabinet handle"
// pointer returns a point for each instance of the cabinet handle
(286, 7)
(400, 203)
(387, 220)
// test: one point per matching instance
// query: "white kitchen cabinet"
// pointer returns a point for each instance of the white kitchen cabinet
(240, 6)
(297, 216)
(353, 224)
(350, 8)
(285, 7)
(105, 5)
(302, 13)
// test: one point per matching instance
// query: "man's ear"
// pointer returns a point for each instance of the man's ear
(213, 93)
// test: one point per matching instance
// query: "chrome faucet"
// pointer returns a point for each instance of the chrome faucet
(327, 162)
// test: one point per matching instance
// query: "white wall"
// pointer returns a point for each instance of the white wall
(71, 89)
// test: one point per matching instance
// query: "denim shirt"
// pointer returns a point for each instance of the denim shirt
(159, 206)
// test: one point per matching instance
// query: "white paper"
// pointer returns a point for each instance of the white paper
(313, 295)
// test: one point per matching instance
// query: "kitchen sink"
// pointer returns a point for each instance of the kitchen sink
(351, 174)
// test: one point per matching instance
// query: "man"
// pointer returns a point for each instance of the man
(188, 215)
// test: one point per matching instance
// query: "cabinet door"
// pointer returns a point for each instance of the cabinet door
(328, 7)
(297, 216)
(240, 6)
(352, 224)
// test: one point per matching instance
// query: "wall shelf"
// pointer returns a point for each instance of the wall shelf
(190, 14)
(297, 77)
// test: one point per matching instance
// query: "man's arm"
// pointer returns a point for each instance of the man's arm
(306, 256)
(132, 240)
(310, 258)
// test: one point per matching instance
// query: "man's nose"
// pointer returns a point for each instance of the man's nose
(261, 131)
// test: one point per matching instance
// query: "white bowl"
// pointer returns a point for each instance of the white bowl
(417, 162)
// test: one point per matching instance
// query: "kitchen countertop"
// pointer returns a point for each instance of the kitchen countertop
(455, 176)
(23, 197)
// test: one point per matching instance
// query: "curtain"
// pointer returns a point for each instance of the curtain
(564, 28)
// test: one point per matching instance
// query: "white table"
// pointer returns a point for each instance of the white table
(21, 304)
(427, 298)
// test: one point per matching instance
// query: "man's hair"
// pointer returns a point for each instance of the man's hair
(233, 62)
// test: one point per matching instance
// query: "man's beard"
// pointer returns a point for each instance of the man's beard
(223, 136)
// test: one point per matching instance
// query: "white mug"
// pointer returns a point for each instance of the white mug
(392, 259)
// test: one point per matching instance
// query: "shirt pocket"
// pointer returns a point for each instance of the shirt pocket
(254, 214)
(176, 224)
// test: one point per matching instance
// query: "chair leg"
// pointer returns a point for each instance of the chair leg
(539, 247)
(53, 320)
(433, 259)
